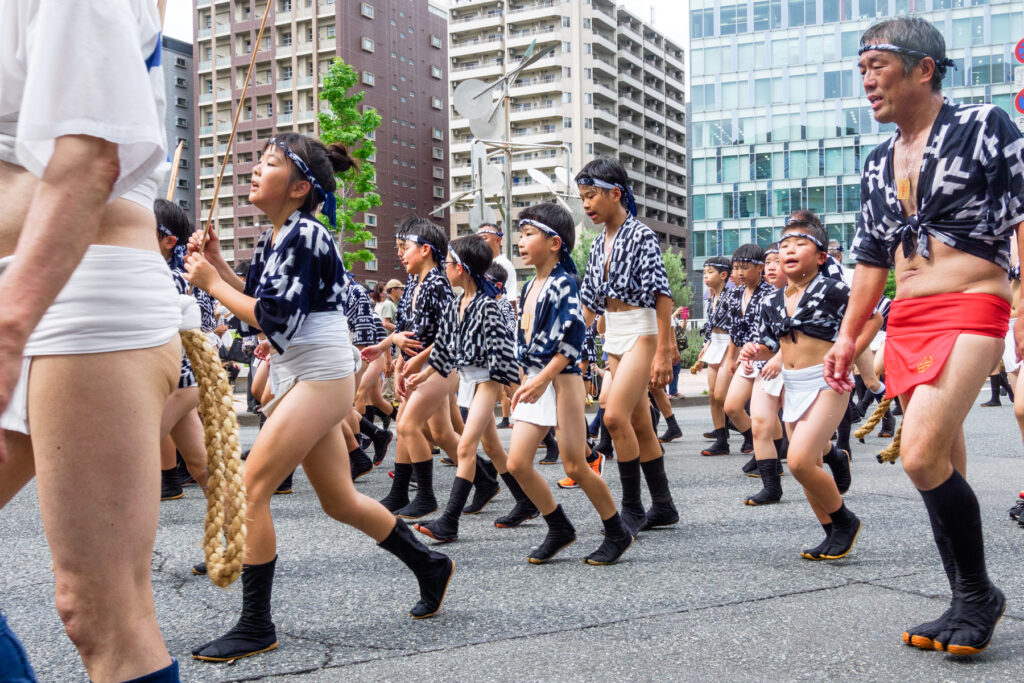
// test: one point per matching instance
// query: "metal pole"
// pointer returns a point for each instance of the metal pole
(508, 133)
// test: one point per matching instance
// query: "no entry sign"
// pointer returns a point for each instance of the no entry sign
(1018, 102)
(1018, 51)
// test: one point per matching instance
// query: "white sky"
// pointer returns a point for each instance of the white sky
(670, 16)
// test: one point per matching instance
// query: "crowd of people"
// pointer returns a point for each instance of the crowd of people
(436, 355)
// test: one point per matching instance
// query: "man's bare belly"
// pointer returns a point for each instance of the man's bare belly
(948, 271)
(124, 223)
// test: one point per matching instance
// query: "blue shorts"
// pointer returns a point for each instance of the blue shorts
(14, 666)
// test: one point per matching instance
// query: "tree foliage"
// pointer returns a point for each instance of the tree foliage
(890, 285)
(351, 125)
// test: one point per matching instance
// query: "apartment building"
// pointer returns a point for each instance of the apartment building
(180, 119)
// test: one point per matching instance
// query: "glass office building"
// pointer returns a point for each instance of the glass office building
(778, 118)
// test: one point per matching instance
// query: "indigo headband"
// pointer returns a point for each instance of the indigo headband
(565, 258)
(483, 283)
(889, 47)
(330, 202)
(811, 238)
(605, 185)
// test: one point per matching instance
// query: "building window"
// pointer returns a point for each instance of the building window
(367, 44)
(181, 63)
(368, 78)
(183, 203)
(438, 173)
(181, 102)
(181, 122)
(435, 102)
(183, 142)
(371, 264)
(183, 183)
(371, 219)
(183, 163)
(286, 39)
(438, 192)
(437, 134)
(437, 153)
(435, 72)
(366, 9)
(435, 41)
(180, 82)
(371, 242)
(331, 31)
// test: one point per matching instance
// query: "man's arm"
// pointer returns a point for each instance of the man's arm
(1018, 327)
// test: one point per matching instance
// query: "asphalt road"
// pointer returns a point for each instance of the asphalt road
(724, 594)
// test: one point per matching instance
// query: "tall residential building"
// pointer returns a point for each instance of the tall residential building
(179, 87)
(778, 116)
(612, 87)
(399, 49)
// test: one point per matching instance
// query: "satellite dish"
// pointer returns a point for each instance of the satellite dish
(562, 173)
(492, 179)
(489, 128)
(472, 98)
(542, 179)
(481, 213)
(575, 206)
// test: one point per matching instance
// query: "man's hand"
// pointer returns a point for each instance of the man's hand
(838, 362)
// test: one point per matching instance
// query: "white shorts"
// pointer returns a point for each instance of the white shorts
(544, 412)
(469, 377)
(1010, 363)
(772, 387)
(117, 299)
(802, 388)
(307, 363)
(878, 340)
(715, 352)
(623, 328)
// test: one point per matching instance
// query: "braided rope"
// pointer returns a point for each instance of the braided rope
(224, 535)
(891, 452)
(875, 418)
(696, 367)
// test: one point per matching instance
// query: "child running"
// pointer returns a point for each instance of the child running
(295, 293)
(803, 320)
(551, 335)
(714, 355)
(626, 282)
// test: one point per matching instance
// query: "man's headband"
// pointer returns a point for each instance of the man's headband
(483, 283)
(330, 202)
(811, 238)
(496, 233)
(889, 47)
(605, 185)
(565, 258)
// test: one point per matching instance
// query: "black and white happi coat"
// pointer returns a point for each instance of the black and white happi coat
(558, 326)
(636, 273)
(883, 309)
(717, 313)
(508, 314)
(970, 190)
(365, 327)
(743, 325)
(422, 304)
(818, 314)
(477, 337)
(187, 378)
(589, 352)
(300, 273)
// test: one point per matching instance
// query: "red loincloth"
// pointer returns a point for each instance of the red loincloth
(922, 330)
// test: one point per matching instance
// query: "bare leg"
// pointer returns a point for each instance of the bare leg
(736, 400)
(764, 420)
(18, 469)
(717, 407)
(631, 376)
(526, 439)
(810, 435)
(189, 437)
(661, 401)
(570, 432)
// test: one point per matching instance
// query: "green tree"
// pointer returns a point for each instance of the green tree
(581, 252)
(351, 125)
(681, 292)
(890, 285)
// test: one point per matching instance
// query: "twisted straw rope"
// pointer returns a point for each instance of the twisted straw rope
(891, 452)
(224, 536)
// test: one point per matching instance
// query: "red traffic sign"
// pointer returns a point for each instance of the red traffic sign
(1018, 102)
(1018, 51)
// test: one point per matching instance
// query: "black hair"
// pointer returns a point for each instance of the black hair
(474, 252)
(748, 252)
(324, 162)
(720, 263)
(498, 273)
(815, 230)
(555, 217)
(773, 247)
(429, 233)
(913, 33)
(608, 170)
(242, 268)
(174, 218)
(806, 216)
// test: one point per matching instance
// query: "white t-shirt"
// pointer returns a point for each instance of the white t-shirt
(78, 67)
(511, 286)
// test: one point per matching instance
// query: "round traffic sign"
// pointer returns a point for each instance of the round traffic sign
(1018, 51)
(1018, 102)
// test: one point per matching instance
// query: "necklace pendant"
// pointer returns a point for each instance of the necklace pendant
(903, 188)
(791, 290)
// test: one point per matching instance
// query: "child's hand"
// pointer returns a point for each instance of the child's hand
(200, 272)
(749, 352)
(405, 342)
(530, 391)
(415, 380)
(262, 350)
(772, 368)
(371, 353)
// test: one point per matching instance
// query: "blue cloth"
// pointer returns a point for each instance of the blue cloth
(14, 664)
(168, 674)
(359, 312)
(300, 273)
(636, 273)
(558, 326)
(970, 190)
(673, 386)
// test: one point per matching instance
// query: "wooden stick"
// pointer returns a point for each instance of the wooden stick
(174, 170)
(234, 127)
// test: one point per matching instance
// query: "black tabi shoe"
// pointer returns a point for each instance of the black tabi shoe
(504, 424)
(839, 462)
(254, 633)
(604, 445)
(635, 518)
(433, 570)
(285, 487)
(398, 496)
(712, 435)
(170, 485)
(446, 527)
(381, 443)
(363, 441)
(721, 444)
(748, 442)
(843, 536)
(750, 468)
(1017, 509)
(424, 503)
(816, 552)
(772, 488)
(561, 534)
(898, 410)
(486, 488)
(672, 431)
(551, 456)
(994, 401)
(199, 569)
(359, 463)
(923, 635)
(663, 510)
(888, 425)
(617, 540)
(969, 628)
(522, 512)
(782, 448)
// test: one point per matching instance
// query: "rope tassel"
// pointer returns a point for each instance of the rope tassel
(890, 453)
(224, 534)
